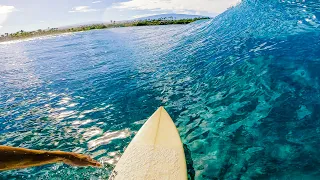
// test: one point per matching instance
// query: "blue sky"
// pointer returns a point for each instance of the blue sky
(29, 15)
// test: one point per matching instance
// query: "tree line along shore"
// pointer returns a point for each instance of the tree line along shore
(52, 31)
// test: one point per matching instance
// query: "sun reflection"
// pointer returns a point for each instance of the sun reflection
(95, 110)
(99, 153)
(17, 68)
(81, 116)
(84, 122)
(107, 138)
(111, 159)
(72, 105)
(62, 111)
(91, 132)
(64, 100)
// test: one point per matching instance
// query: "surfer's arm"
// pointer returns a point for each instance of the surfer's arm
(17, 158)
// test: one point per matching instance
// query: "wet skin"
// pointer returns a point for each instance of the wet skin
(17, 158)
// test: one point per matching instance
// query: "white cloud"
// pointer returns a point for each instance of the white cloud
(143, 15)
(94, 2)
(4, 12)
(6, 9)
(208, 6)
(1, 26)
(82, 9)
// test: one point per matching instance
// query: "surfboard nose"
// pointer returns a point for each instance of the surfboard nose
(161, 108)
(156, 152)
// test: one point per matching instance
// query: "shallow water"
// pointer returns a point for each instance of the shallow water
(243, 90)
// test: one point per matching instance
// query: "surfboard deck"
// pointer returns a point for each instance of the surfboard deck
(156, 152)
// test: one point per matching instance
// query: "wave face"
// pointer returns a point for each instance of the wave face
(257, 94)
(243, 90)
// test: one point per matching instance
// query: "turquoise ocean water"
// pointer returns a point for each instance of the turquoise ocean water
(243, 90)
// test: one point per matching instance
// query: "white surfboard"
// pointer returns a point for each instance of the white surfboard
(155, 153)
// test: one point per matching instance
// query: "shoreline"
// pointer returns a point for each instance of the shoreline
(30, 38)
(22, 35)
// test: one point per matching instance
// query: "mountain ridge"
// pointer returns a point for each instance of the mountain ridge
(168, 16)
